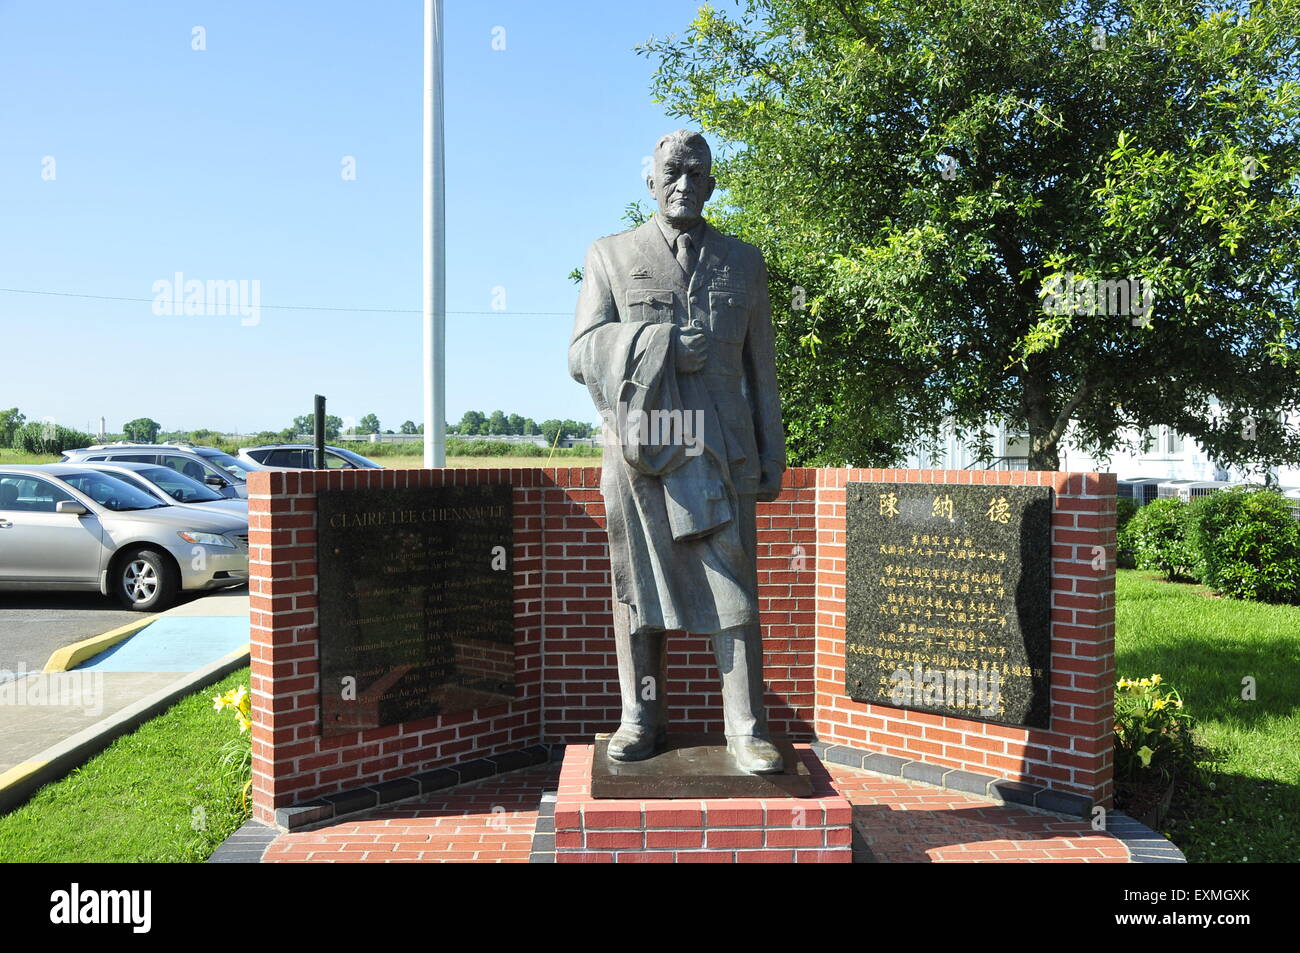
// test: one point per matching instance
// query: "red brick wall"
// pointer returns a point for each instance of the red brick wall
(566, 674)
(564, 640)
(1075, 755)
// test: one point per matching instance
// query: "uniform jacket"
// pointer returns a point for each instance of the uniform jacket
(675, 546)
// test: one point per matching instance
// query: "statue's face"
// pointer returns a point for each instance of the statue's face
(681, 183)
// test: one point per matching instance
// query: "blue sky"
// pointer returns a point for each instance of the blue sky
(225, 164)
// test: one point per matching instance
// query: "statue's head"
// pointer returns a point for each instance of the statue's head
(681, 182)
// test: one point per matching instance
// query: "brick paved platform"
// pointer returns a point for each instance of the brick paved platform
(488, 821)
(896, 821)
(775, 830)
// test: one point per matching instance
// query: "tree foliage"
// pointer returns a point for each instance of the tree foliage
(306, 424)
(925, 179)
(141, 430)
(10, 421)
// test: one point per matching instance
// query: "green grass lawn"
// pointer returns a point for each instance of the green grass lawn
(416, 462)
(161, 793)
(392, 461)
(22, 456)
(1247, 805)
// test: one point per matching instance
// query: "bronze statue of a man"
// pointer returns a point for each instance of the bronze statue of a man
(673, 338)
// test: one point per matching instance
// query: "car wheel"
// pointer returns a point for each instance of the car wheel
(146, 580)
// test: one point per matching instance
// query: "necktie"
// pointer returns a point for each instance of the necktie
(685, 254)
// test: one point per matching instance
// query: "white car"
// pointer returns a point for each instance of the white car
(175, 489)
(302, 456)
(219, 470)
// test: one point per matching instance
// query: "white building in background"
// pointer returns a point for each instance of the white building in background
(1161, 452)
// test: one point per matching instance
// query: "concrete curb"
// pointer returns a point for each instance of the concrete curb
(22, 781)
(70, 656)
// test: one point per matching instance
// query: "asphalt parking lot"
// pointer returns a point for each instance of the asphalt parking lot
(32, 626)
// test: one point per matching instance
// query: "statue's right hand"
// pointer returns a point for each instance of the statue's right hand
(692, 348)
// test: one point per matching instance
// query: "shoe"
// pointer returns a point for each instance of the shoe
(633, 743)
(755, 755)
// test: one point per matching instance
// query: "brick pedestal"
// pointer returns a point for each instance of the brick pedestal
(815, 829)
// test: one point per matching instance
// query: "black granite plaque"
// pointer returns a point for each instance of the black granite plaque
(949, 599)
(416, 603)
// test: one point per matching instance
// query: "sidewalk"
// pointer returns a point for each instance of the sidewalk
(52, 721)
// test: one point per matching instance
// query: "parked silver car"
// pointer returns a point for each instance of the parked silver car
(65, 527)
(302, 456)
(175, 489)
(208, 465)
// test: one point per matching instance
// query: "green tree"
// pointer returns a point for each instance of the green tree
(573, 428)
(514, 424)
(10, 421)
(305, 426)
(529, 427)
(408, 426)
(472, 422)
(497, 423)
(368, 424)
(954, 198)
(553, 430)
(142, 430)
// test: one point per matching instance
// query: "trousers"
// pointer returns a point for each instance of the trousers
(738, 652)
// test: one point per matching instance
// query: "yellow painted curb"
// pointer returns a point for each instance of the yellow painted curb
(20, 772)
(70, 656)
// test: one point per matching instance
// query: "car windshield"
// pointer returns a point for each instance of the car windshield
(125, 477)
(110, 492)
(236, 468)
(180, 487)
(357, 460)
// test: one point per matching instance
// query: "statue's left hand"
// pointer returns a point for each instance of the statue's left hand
(768, 488)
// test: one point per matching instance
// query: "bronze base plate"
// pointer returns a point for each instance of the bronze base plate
(695, 766)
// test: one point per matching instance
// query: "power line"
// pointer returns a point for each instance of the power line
(291, 307)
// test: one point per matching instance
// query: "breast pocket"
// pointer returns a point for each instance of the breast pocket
(729, 314)
(644, 304)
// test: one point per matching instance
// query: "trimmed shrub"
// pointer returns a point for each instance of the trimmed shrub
(1248, 542)
(1157, 536)
(1125, 509)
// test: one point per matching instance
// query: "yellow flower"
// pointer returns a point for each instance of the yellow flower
(1158, 704)
(1145, 683)
(1178, 703)
(1145, 754)
(1155, 679)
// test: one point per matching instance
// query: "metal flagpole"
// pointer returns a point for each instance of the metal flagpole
(435, 276)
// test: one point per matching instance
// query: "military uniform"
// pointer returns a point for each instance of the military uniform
(681, 523)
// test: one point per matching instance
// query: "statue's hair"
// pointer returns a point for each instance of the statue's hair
(688, 139)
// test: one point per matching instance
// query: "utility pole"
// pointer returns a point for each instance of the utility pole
(435, 276)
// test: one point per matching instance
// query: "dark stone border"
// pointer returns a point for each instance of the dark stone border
(954, 779)
(334, 806)
(246, 845)
(543, 849)
(1144, 845)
